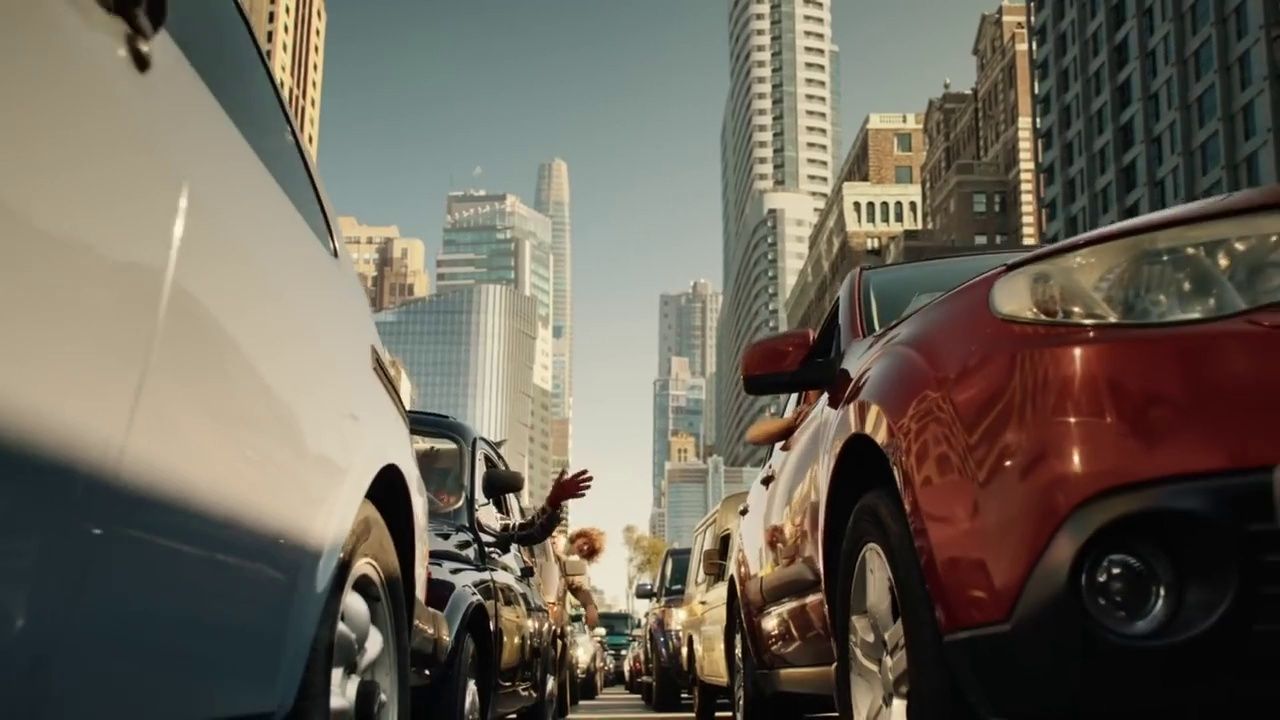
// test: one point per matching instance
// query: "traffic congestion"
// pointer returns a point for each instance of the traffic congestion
(981, 426)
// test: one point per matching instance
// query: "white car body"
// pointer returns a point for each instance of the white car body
(190, 405)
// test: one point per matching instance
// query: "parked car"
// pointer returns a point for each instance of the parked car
(664, 679)
(633, 667)
(588, 660)
(704, 631)
(205, 471)
(617, 627)
(501, 659)
(1031, 485)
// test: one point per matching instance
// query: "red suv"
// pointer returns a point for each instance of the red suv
(1026, 484)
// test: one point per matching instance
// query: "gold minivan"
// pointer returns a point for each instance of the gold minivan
(703, 629)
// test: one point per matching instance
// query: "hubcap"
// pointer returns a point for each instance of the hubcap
(363, 679)
(877, 643)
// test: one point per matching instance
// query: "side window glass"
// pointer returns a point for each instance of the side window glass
(487, 511)
(442, 464)
(699, 576)
(724, 546)
(217, 41)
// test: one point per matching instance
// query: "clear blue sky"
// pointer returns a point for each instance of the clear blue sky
(419, 93)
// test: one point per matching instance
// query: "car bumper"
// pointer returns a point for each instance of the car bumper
(1053, 659)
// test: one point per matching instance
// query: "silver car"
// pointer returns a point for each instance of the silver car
(208, 501)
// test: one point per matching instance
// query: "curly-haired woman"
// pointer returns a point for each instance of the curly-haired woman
(586, 544)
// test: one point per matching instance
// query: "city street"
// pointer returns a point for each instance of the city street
(618, 704)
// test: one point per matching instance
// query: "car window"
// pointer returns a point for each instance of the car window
(698, 540)
(488, 514)
(217, 41)
(890, 292)
(674, 572)
(724, 546)
(442, 464)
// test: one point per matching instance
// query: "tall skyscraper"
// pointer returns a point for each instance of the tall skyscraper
(1141, 105)
(980, 169)
(876, 203)
(470, 352)
(687, 325)
(292, 36)
(391, 268)
(552, 199)
(777, 161)
(679, 422)
(694, 489)
(495, 239)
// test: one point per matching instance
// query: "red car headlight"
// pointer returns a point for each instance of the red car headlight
(1186, 273)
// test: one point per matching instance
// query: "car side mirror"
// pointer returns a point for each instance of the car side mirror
(711, 563)
(644, 591)
(498, 482)
(575, 568)
(781, 365)
(599, 633)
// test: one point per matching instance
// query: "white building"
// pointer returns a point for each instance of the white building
(778, 159)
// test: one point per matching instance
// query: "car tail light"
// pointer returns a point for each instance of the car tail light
(1192, 272)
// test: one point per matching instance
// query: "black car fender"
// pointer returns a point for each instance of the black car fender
(467, 611)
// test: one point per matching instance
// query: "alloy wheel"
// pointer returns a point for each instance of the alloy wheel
(877, 642)
(362, 679)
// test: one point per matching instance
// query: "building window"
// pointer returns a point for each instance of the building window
(1249, 119)
(897, 213)
(979, 203)
(979, 239)
(1204, 59)
(1200, 16)
(1210, 154)
(1242, 20)
(1251, 170)
(1129, 177)
(902, 174)
(884, 212)
(871, 213)
(1104, 199)
(914, 213)
(997, 202)
(1245, 68)
(1207, 106)
(902, 142)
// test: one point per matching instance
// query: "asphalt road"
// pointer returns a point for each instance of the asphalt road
(618, 704)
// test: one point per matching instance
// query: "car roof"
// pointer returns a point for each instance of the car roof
(425, 420)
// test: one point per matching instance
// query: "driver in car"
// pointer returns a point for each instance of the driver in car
(441, 469)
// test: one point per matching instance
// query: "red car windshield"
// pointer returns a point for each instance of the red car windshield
(890, 292)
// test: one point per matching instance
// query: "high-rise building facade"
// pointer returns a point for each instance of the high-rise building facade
(693, 489)
(392, 269)
(687, 326)
(679, 404)
(980, 168)
(876, 202)
(1145, 104)
(552, 199)
(497, 239)
(471, 353)
(778, 153)
(292, 36)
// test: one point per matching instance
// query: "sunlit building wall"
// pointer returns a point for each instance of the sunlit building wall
(552, 199)
(292, 36)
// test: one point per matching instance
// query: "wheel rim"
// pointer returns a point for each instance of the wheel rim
(471, 690)
(364, 677)
(878, 667)
(739, 676)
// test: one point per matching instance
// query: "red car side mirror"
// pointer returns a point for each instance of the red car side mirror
(781, 364)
